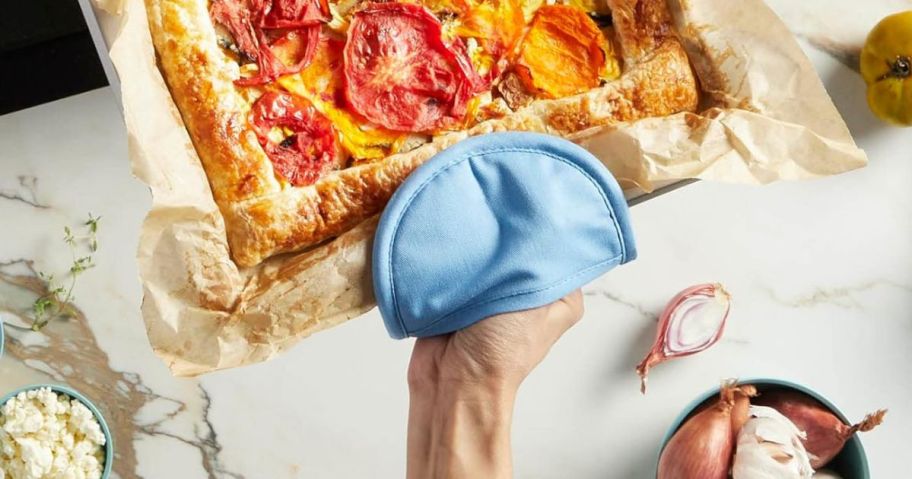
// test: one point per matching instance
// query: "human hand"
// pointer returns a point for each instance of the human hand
(498, 351)
(463, 385)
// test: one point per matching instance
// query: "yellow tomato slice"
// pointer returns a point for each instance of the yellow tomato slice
(599, 7)
(320, 83)
(438, 6)
(529, 7)
(564, 53)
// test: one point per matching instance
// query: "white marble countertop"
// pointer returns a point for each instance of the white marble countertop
(821, 274)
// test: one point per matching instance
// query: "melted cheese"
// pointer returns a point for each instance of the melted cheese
(320, 83)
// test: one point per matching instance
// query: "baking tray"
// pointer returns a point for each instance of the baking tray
(102, 27)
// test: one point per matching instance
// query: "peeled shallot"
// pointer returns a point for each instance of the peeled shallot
(702, 447)
(691, 322)
(769, 447)
(826, 433)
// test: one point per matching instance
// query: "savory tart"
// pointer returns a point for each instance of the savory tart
(307, 114)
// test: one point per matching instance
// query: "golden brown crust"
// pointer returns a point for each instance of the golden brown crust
(199, 76)
(264, 217)
(642, 25)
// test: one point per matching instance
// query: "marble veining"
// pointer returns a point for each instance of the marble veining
(639, 308)
(815, 269)
(843, 297)
(69, 353)
(23, 190)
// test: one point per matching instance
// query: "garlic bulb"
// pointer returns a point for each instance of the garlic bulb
(769, 447)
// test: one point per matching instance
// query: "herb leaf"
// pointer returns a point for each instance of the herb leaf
(56, 303)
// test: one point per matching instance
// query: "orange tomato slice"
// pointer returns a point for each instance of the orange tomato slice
(321, 83)
(496, 25)
(564, 53)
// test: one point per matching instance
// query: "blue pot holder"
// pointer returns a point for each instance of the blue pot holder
(497, 223)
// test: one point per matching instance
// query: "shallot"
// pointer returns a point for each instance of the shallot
(769, 447)
(691, 322)
(826, 433)
(702, 447)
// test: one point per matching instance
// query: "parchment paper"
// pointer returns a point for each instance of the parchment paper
(766, 117)
(114, 7)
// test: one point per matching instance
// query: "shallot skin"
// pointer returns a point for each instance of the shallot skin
(826, 433)
(691, 322)
(694, 453)
(702, 448)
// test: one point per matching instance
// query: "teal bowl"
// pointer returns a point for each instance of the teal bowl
(851, 463)
(109, 441)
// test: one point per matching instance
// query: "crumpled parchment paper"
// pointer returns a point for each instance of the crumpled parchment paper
(766, 117)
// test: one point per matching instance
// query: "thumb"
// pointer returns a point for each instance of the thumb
(563, 314)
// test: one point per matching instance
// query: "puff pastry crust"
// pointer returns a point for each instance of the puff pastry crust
(265, 216)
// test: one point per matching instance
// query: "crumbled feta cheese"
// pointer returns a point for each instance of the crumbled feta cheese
(44, 435)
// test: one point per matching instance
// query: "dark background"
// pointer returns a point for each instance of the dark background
(46, 53)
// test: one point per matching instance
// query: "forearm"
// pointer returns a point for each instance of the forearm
(460, 431)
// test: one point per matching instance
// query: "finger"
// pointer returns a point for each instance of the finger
(574, 304)
(563, 314)
(423, 365)
(569, 308)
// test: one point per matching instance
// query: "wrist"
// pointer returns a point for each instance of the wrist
(491, 394)
(473, 423)
(466, 429)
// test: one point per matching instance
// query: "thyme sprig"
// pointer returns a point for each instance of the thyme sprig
(57, 302)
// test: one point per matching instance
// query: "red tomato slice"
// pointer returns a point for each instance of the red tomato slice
(288, 54)
(296, 48)
(290, 43)
(309, 152)
(400, 74)
(292, 13)
(238, 19)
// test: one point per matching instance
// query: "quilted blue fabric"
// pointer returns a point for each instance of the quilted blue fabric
(497, 223)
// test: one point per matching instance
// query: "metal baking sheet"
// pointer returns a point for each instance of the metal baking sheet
(102, 26)
(637, 197)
